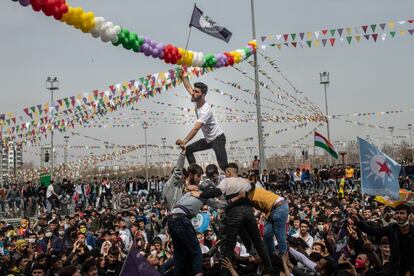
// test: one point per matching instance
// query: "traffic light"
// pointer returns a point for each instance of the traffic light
(47, 157)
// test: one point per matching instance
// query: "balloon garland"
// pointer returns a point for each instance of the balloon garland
(108, 31)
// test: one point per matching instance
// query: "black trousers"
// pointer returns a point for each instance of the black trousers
(238, 217)
(187, 251)
(218, 145)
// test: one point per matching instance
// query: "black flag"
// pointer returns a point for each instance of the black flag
(208, 26)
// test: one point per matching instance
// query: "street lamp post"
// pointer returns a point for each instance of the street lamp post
(324, 78)
(391, 129)
(410, 127)
(164, 140)
(262, 158)
(65, 153)
(106, 157)
(145, 126)
(52, 84)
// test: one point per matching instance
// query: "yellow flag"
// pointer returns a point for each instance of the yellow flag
(309, 35)
(316, 43)
(391, 24)
(402, 32)
(349, 30)
(358, 38)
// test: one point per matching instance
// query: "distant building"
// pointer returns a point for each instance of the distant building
(11, 161)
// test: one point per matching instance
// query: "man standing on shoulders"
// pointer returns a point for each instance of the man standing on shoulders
(213, 134)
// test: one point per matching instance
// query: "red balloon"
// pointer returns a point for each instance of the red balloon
(230, 58)
(37, 5)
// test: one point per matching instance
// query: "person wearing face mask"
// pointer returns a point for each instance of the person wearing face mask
(401, 238)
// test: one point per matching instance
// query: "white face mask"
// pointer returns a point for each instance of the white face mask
(48, 234)
(404, 223)
(320, 227)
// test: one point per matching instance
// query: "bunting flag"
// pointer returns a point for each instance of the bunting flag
(343, 35)
(94, 105)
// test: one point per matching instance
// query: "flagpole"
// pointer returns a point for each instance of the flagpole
(360, 166)
(262, 158)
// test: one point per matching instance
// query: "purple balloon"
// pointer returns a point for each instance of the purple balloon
(153, 44)
(24, 3)
(145, 48)
(160, 47)
(161, 55)
(155, 53)
(147, 40)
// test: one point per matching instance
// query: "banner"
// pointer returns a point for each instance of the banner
(204, 23)
(379, 173)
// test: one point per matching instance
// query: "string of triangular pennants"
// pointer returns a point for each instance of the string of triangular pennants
(344, 35)
(86, 107)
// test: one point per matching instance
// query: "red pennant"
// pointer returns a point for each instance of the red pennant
(324, 32)
(332, 41)
(286, 36)
(26, 110)
(365, 27)
(375, 36)
(411, 21)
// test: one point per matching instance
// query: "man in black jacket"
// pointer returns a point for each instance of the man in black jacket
(401, 237)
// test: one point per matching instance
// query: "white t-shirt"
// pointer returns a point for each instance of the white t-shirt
(234, 185)
(49, 191)
(211, 129)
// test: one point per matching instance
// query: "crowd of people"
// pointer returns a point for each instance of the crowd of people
(282, 222)
(199, 221)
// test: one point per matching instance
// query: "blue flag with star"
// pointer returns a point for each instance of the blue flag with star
(379, 173)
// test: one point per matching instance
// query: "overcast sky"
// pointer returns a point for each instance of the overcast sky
(365, 77)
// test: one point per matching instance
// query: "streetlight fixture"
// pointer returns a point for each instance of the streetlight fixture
(145, 126)
(52, 84)
(324, 80)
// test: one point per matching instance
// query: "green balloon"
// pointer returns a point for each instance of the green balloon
(140, 40)
(135, 46)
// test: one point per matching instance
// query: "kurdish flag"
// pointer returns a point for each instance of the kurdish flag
(324, 143)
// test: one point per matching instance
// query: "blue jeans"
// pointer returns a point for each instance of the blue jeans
(276, 225)
(16, 200)
(187, 251)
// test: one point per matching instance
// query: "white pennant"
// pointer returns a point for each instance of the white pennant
(317, 35)
(278, 36)
(383, 36)
(401, 22)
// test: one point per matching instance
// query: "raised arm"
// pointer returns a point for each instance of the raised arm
(186, 82)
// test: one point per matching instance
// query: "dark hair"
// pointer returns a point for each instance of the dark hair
(203, 87)
(68, 270)
(38, 266)
(195, 169)
(403, 207)
(113, 251)
(232, 166)
(211, 170)
(304, 222)
(88, 265)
